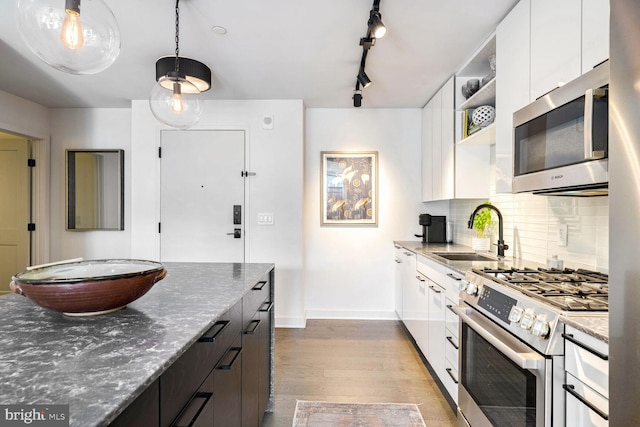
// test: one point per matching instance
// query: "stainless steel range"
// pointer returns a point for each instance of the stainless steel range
(512, 351)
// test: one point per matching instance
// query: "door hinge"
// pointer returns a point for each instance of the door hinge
(160, 152)
(31, 226)
(247, 173)
(31, 163)
(159, 228)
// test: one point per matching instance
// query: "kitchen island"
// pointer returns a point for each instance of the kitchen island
(99, 365)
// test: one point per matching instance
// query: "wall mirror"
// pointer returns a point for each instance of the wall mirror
(95, 190)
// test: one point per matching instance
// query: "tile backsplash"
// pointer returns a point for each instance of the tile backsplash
(531, 225)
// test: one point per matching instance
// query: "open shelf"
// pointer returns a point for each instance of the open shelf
(486, 95)
(486, 136)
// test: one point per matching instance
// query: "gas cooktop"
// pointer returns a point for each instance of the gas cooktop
(567, 289)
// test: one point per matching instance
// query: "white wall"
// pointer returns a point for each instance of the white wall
(88, 128)
(349, 270)
(276, 156)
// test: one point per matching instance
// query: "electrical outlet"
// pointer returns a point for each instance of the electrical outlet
(563, 235)
(265, 218)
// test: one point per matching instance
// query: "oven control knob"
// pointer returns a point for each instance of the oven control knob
(527, 319)
(515, 315)
(462, 285)
(472, 288)
(540, 327)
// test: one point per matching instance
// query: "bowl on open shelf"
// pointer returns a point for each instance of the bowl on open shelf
(88, 288)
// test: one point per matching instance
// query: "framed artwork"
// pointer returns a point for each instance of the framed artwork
(349, 188)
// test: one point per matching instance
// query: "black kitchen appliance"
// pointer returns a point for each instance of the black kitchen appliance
(437, 226)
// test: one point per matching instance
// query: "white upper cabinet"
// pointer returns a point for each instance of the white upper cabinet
(568, 38)
(513, 36)
(556, 31)
(595, 33)
(447, 152)
(427, 155)
(450, 171)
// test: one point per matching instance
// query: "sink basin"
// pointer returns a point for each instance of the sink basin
(458, 256)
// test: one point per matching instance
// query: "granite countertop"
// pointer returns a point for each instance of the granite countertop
(594, 325)
(99, 365)
(429, 250)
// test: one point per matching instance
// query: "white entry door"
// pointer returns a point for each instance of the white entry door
(202, 196)
(14, 210)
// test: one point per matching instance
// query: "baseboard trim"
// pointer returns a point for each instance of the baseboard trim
(290, 322)
(353, 315)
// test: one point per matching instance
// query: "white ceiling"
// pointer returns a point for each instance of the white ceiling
(274, 49)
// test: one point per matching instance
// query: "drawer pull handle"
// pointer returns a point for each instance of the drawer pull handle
(451, 375)
(454, 277)
(269, 306)
(420, 278)
(571, 390)
(437, 291)
(570, 338)
(229, 365)
(452, 343)
(199, 396)
(212, 334)
(251, 331)
(450, 307)
(408, 253)
(259, 286)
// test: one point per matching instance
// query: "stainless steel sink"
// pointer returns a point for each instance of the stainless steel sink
(459, 256)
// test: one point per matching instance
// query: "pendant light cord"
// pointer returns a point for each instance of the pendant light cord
(177, 64)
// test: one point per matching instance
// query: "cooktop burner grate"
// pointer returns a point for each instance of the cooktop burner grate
(567, 289)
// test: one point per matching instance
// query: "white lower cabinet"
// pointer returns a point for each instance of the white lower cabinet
(397, 270)
(436, 350)
(443, 344)
(587, 379)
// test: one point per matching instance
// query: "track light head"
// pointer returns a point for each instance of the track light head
(363, 79)
(357, 99)
(375, 24)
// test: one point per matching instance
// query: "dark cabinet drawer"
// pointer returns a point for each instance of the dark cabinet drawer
(143, 411)
(253, 299)
(228, 388)
(182, 380)
(200, 410)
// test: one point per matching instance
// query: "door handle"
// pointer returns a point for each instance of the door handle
(237, 233)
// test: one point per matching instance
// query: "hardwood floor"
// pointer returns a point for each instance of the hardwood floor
(352, 361)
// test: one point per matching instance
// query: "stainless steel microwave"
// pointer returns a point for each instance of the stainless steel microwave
(560, 141)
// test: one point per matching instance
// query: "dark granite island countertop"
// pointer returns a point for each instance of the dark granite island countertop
(99, 365)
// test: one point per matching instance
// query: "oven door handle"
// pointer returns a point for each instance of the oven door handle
(519, 354)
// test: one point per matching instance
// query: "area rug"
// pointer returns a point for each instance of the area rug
(332, 414)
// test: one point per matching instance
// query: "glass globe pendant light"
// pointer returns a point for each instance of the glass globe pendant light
(74, 36)
(175, 98)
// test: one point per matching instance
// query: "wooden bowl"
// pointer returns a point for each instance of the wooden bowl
(88, 288)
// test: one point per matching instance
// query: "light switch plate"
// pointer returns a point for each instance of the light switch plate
(265, 218)
(563, 238)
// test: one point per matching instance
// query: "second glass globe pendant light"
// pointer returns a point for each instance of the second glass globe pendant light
(175, 98)
(74, 36)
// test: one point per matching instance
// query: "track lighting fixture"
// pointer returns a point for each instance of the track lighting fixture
(175, 98)
(67, 38)
(375, 29)
(357, 96)
(363, 79)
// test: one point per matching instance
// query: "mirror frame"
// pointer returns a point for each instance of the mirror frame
(70, 193)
